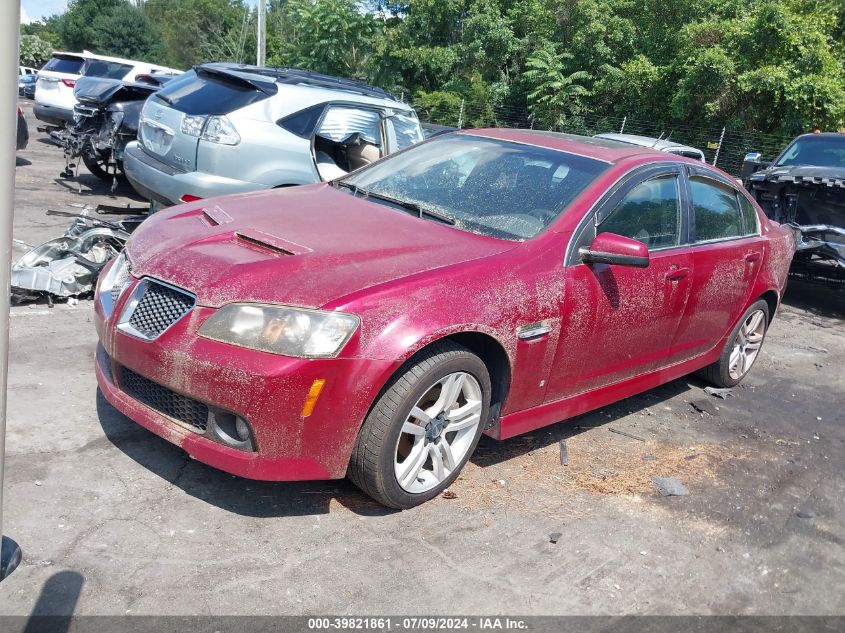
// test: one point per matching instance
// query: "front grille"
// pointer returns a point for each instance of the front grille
(163, 400)
(159, 308)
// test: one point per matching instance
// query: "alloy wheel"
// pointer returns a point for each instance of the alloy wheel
(438, 433)
(747, 344)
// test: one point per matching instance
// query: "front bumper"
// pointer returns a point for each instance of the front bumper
(266, 390)
(165, 184)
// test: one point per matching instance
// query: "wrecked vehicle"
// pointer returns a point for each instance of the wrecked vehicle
(105, 119)
(486, 281)
(68, 266)
(804, 188)
(227, 128)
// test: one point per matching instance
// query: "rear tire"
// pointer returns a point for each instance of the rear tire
(741, 348)
(423, 428)
(97, 166)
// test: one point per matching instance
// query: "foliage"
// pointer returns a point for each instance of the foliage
(772, 66)
(34, 51)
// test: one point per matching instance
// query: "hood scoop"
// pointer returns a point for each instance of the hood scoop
(216, 216)
(276, 245)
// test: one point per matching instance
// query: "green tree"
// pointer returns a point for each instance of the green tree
(554, 93)
(34, 51)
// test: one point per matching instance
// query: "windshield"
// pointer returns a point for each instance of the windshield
(818, 151)
(491, 187)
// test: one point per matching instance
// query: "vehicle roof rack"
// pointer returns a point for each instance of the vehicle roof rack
(308, 78)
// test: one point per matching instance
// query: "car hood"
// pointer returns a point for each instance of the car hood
(97, 91)
(305, 246)
(800, 172)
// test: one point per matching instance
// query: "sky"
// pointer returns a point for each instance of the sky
(37, 9)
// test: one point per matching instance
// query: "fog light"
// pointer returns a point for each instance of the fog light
(242, 429)
(231, 430)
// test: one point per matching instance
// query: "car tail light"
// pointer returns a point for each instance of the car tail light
(70, 83)
(189, 198)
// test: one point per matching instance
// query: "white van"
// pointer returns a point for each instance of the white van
(26, 70)
(54, 98)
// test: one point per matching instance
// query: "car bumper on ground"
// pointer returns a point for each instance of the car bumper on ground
(165, 184)
(52, 115)
(266, 390)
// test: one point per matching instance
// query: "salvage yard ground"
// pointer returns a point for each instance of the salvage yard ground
(144, 530)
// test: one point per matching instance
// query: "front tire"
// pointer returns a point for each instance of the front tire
(741, 349)
(423, 428)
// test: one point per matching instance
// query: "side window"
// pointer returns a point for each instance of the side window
(407, 129)
(749, 215)
(341, 123)
(716, 210)
(302, 123)
(649, 213)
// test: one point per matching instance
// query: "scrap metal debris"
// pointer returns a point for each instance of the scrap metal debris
(719, 392)
(626, 434)
(564, 455)
(670, 487)
(554, 537)
(68, 266)
(704, 406)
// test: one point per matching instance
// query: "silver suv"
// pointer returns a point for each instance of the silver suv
(227, 128)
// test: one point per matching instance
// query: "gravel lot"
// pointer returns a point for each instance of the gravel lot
(144, 530)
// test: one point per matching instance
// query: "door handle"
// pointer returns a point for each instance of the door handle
(677, 273)
(753, 256)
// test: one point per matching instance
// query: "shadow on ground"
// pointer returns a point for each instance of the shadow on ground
(85, 184)
(245, 497)
(491, 452)
(818, 299)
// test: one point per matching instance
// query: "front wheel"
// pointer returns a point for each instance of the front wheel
(423, 428)
(741, 349)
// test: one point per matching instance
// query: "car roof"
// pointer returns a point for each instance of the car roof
(646, 141)
(120, 60)
(606, 150)
(304, 78)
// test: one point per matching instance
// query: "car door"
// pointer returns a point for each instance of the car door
(727, 251)
(618, 321)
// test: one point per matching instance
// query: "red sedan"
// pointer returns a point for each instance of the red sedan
(489, 281)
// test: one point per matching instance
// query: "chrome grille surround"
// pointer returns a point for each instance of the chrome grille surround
(154, 307)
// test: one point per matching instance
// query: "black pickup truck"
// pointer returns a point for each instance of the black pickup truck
(804, 188)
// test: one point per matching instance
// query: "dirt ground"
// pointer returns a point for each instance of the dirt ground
(114, 520)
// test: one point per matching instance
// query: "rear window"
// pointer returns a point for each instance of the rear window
(64, 64)
(203, 94)
(109, 70)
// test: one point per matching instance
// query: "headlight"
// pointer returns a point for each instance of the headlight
(281, 330)
(113, 283)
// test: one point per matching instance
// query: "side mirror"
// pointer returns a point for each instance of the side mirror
(752, 162)
(609, 248)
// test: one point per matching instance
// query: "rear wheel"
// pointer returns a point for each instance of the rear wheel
(741, 349)
(98, 166)
(423, 428)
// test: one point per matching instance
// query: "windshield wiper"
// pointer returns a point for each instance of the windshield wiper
(414, 207)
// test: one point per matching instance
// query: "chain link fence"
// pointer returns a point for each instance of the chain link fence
(723, 146)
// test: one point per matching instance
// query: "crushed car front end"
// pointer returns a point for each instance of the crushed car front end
(810, 200)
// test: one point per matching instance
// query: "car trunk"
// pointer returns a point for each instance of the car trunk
(56, 80)
(194, 94)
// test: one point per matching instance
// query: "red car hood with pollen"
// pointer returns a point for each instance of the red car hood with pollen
(304, 246)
